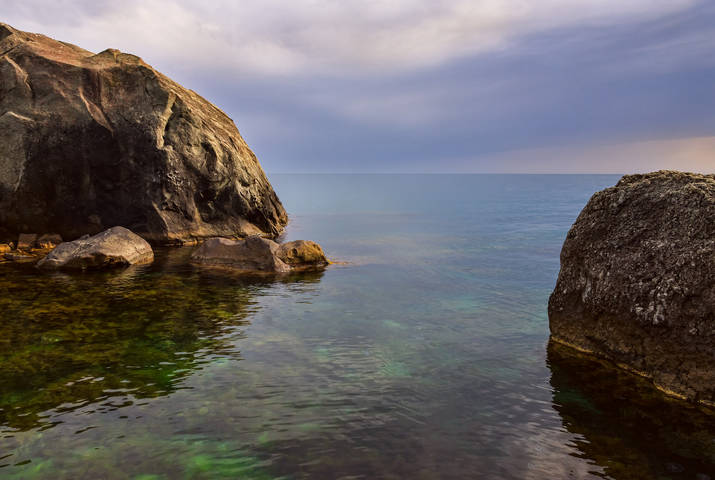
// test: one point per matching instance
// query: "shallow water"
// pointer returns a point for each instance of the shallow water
(425, 356)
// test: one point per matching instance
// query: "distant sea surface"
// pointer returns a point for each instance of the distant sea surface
(422, 353)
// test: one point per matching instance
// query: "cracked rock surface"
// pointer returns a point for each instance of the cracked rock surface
(637, 281)
(89, 141)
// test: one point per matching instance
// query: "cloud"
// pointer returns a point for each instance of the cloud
(424, 85)
(319, 36)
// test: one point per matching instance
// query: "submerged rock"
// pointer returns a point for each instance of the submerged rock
(259, 254)
(637, 281)
(116, 246)
(89, 141)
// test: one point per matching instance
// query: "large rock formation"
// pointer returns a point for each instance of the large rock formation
(90, 141)
(637, 281)
(115, 247)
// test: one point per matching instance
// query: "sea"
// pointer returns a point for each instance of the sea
(422, 352)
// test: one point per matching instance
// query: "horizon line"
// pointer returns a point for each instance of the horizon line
(467, 173)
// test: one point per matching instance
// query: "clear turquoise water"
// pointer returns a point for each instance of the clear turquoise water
(424, 356)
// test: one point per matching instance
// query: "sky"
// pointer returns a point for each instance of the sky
(428, 86)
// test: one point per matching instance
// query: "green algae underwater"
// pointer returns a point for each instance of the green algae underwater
(424, 356)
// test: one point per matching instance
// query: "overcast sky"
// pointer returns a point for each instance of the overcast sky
(532, 86)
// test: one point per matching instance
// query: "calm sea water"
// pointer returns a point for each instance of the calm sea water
(423, 354)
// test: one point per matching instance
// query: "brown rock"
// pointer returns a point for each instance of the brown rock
(93, 140)
(637, 281)
(251, 254)
(4, 248)
(26, 241)
(48, 240)
(259, 254)
(116, 246)
(302, 253)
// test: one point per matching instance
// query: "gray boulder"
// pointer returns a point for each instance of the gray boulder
(251, 254)
(637, 281)
(88, 141)
(114, 247)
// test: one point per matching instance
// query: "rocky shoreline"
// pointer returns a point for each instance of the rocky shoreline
(107, 151)
(120, 247)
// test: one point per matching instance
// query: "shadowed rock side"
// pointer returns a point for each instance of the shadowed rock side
(637, 281)
(91, 141)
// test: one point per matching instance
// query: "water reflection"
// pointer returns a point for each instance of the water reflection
(626, 426)
(67, 341)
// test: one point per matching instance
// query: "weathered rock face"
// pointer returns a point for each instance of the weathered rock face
(302, 253)
(114, 247)
(637, 281)
(256, 254)
(88, 141)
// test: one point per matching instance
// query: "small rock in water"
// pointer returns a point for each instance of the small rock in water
(26, 241)
(302, 253)
(255, 253)
(117, 246)
(48, 240)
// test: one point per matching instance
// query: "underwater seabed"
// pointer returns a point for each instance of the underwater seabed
(426, 356)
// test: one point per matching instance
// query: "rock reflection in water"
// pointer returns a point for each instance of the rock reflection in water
(70, 340)
(626, 426)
